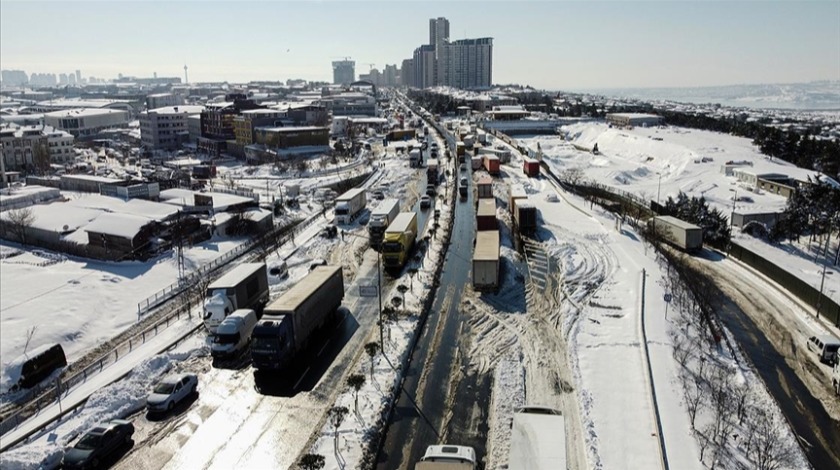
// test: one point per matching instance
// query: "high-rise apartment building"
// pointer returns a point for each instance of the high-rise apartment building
(407, 73)
(438, 31)
(344, 72)
(466, 63)
(424, 66)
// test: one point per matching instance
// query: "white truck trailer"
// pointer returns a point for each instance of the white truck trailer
(243, 287)
(290, 321)
(538, 440)
(485, 262)
(349, 205)
(381, 218)
(684, 235)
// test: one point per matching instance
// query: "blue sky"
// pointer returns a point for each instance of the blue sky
(549, 44)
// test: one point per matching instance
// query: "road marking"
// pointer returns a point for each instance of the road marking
(300, 379)
(322, 349)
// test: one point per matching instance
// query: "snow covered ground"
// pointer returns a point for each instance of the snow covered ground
(80, 303)
(658, 162)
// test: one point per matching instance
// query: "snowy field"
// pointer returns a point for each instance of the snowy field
(659, 162)
(81, 303)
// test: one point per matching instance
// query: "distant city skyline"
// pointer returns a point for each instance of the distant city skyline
(550, 45)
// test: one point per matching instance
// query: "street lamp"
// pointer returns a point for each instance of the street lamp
(658, 187)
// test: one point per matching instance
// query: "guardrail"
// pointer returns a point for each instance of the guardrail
(50, 394)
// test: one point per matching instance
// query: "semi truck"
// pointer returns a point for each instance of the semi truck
(503, 153)
(447, 457)
(485, 187)
(485, 214)
(381, 218)
(245, 286)
(525, 215)
(399, 240)
(415, 158)
(432, 171)
(538, 439)
(485, 262)
(349, 205)
(288, 323)
(684, 235)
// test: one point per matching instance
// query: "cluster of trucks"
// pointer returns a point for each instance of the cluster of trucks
(485, 262)
(234, 303)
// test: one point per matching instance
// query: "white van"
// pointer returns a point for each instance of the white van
(234, 333)
(826, 347)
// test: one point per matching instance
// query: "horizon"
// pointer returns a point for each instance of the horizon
(610, 45)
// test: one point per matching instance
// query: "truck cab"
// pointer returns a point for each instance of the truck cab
(271, 342)
(447, 457)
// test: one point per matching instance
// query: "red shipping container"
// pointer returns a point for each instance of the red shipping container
(532, 167)
(492, 164)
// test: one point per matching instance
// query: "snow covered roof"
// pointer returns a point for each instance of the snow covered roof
(84, 112)
(118, 225)
(635, 115)
(186, 198)
(180, 109)
(78, 103)
(59, 217)
(293, 129)
(139, 207)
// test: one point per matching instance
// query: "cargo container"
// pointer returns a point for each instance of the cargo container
(432, 171)
(245, 286)
(525, 216)
(517, 191)
(531, 167)
(492, 165)
(476, 163)
(460, 149)
(289, 321)
(349, 205)
(469, 141)
(686, 236)
(503, 153)
(485, 215)
(485, 262)
(538, 440)
(381, 218)
(398, 241)
(485, 187)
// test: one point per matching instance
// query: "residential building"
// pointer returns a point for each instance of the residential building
(86, 122)
(217, 123)
(166, 128)
(407, 73)
(466, 63)
(245, 123)
(163, 100)
(438, 31)
(424, 66)
(33, 147)
(344, 72)
(194, 127)
(390, 77)
(13, 77)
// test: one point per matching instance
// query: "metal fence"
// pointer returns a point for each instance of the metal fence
(46, 395)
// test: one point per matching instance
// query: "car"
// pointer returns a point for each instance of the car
(170, 391)
(464, 181)
(551, 197)
(364, 218)
(379, 194)
(98, 444)
(826, 347)
(425, 201)
(463, 167)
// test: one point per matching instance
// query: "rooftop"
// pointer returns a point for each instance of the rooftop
(180, 109)
(119, 225)
(82, 112)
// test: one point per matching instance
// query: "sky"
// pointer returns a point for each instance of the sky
(549, 44)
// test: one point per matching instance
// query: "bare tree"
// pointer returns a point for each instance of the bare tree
(336, 416)
(311, 462)
(372, 348)
(20, 220)
(772, 449)
(29, 334)
(572, 176)
(356, 382)
(693, 395)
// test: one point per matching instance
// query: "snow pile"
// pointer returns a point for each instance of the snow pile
(508, 394)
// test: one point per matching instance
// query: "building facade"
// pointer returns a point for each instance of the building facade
(166, 128)
(86, 122)
(288, 137)
(466, 63)
(33, 147)
(424, 66)
(407, 73)
(344, 72)
(163, 100)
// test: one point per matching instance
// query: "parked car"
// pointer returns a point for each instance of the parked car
(826, 347)
(170, 391)
(425, 201)
(431, 190)
(379, 194)
(98, 444)
(463, 167)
